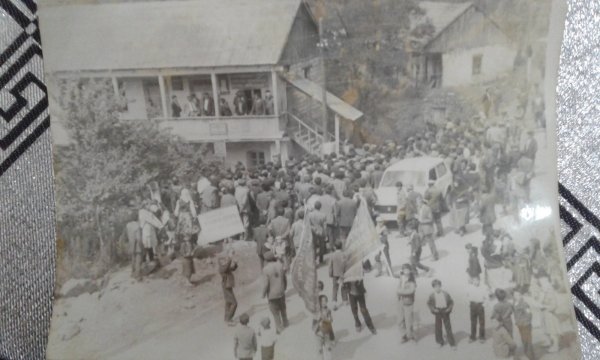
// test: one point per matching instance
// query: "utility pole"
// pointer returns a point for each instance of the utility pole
(322, 45)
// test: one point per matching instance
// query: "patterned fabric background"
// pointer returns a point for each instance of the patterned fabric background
(27, 237)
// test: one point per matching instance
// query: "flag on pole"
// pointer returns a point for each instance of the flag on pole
(362, 241)
(304, 270)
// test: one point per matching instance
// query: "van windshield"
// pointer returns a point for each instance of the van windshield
(390, 178)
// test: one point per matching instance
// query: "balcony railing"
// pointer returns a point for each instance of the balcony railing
(233, 128)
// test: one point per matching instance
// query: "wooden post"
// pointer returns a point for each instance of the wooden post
(215, 90)
(324, 92)
(337, 134)
(275, 90)
(163, 96)
(115, 85)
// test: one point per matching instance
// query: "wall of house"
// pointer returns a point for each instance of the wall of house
(470, 30)
(238, 151)
(458, 65)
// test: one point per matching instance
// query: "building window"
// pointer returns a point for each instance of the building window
(256, 158)
(177, 83)
(477, 60)
(306, 72)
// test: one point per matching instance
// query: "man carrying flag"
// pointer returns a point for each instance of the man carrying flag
(304, 269)
(362, 242)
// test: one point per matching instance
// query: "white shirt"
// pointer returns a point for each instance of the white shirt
(476, 294)
(440, 300)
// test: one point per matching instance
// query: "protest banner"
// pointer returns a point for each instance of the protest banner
(362, 241)
(304, 270)
(219, 224)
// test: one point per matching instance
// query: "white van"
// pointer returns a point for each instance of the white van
(416, 171)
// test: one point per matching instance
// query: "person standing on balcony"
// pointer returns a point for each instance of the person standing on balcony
(190, 109)
(239, 104)
(175, 107)
(224, 108)
(258, 106)
(269, 103)
(208, 105)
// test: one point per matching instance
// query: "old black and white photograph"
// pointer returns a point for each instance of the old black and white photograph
(306, 179)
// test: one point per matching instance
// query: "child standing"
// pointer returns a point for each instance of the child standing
(406, 297)
(324, 329)
(267, 338)
(383, 232)
(440, 304)
(503, 311)
(244, 343)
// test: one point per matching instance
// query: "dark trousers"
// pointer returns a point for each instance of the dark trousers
(147, 253)
(477, 316)
(230, 303)
(386, 252)
(357, 301)
(443, 318)
(415, 260)
(344, 231)
(337, 281)
(526, 338)
(278, 309)
(437, 220)
(331, 236)
(319, 245)
(430, 240)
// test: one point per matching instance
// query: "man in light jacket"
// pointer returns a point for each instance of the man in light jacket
(274, 286)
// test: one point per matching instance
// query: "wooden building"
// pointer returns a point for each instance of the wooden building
(467, 47)
(252, 66)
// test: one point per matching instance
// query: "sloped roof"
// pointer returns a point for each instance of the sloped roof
(442, 14)
(334, 103)
(150, 35)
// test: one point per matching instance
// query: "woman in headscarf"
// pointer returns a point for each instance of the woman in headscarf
(185, 211)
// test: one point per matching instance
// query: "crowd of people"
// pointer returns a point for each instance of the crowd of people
(243, 105)
(492, 165)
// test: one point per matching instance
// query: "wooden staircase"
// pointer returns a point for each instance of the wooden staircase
(307, 136)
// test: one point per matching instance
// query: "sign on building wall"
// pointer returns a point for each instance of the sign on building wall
(220, 149)
(218, 128)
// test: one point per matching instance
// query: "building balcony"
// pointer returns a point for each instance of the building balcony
(232, 129)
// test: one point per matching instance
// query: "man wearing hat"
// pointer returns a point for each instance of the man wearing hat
(274, 286)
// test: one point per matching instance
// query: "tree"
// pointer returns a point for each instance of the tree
(107, 167)
(371, 43)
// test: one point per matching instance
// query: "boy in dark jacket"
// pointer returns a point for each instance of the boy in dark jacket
(440, 304)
